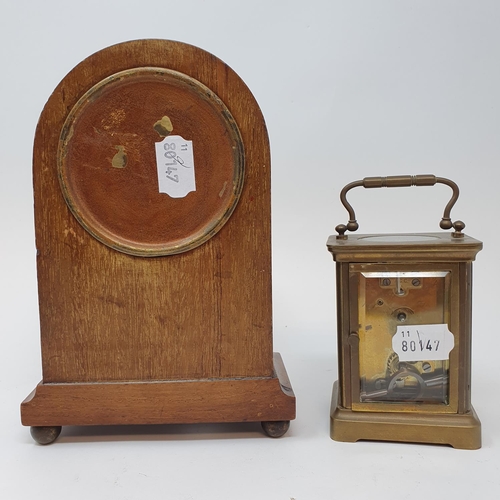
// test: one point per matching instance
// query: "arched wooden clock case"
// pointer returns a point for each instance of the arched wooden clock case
(153, 309)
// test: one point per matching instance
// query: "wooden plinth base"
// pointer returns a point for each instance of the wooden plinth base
(459, 431)
(162, 402)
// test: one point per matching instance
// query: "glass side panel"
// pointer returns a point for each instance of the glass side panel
(385, 301)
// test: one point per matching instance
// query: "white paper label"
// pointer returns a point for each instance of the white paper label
(175, 164)
(423, 342)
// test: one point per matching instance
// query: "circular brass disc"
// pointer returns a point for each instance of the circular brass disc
(107, 162)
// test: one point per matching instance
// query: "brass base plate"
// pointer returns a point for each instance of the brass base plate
(461, 431)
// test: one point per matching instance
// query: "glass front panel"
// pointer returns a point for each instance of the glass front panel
(387, 300)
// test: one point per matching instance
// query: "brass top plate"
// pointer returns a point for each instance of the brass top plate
(415, 247)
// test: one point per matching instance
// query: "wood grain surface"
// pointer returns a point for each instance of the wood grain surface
(163, 402)
(107, 316)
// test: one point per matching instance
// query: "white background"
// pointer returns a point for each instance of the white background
(349, 89)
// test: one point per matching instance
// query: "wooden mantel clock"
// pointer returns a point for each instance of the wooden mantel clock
(152, 216)
(404, 330)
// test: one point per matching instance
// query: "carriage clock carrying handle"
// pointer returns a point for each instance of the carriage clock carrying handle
(401, 181)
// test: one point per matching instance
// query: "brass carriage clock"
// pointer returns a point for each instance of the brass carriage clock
(404, 330)
(151, 171)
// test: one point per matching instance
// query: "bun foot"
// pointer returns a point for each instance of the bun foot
(276, 429)
(45, 435)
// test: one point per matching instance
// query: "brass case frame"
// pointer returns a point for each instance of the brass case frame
(455, 424)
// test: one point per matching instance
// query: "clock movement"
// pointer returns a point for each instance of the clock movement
(151, 171)
(404, 330)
